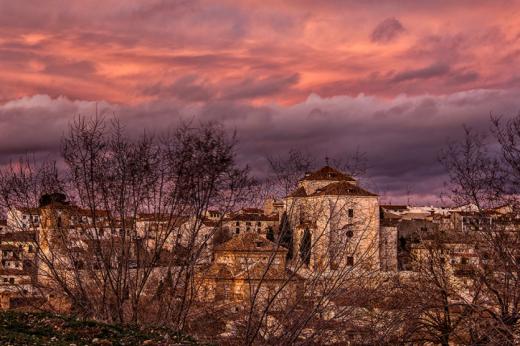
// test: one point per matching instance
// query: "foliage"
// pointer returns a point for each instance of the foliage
(22, 328)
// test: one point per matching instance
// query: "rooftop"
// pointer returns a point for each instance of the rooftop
(250, 242)
(340, 188)
(327, 173)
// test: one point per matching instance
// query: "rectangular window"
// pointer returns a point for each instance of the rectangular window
(11, 280)
(351, 213)
(350, 260)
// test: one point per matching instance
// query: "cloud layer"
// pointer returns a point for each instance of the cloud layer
(392, 78)
(401, 136)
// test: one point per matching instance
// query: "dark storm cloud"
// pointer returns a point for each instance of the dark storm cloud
(251, 88)
(386, 31)
(189, 88)
(192, 88)
(434, 70)
(401, 137)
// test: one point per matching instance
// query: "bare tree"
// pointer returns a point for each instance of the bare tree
(125, 214)
(485, 174)
(330, 244)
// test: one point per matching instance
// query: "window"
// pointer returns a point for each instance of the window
(463, 260)
(30, 249)
(350, 260)
(351, 213)
(237, 223)
(11, 281)
(6, 280)
(259, 223)
(237, 230)
(248, 229)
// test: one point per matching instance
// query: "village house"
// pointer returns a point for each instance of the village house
(250, 220)
(238, 268)
(335, 219)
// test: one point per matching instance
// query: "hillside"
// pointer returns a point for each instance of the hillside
(20, 328)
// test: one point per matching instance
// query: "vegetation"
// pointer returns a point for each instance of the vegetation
(22, 328)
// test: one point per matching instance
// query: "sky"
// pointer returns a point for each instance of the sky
(395, 80)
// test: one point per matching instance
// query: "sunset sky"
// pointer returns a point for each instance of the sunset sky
(393, 79)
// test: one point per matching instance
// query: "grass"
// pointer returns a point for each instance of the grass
(22, 328)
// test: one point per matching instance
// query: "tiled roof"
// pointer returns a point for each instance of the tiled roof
(252, 217)
(31, 211)
(299, 192)
(154, 217)
(18, 236)
(255, 271)
(250, 242)
(342, 188)
(8, 247)
(252, 211)
(328, 173)
(11, 271)
(210, 223)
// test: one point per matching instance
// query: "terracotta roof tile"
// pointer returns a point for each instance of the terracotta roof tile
(328, 173)
(252, 217)
(18, 236)
(250, 242)
(255, 271)
(299, 192)
(342, 188)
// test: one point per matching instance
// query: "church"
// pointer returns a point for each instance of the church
(334, 222)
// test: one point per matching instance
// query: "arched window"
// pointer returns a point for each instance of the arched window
(305, 247)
